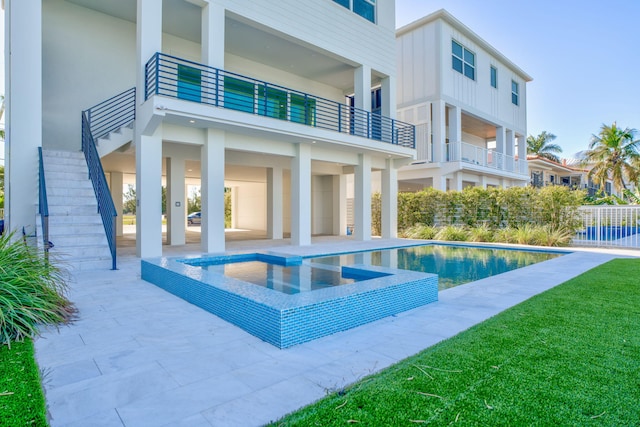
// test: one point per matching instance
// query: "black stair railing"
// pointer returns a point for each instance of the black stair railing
(43, 204)
(97, 122)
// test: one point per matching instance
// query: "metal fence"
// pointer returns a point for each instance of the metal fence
(609, 226)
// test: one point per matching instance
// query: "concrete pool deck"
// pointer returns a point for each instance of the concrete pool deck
(139, 356)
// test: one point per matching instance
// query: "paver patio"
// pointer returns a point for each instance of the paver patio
(139, 356)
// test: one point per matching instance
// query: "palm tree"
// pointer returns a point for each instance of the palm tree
(614, 155)
(541, 146)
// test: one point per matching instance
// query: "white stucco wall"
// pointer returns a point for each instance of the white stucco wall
(322, 204)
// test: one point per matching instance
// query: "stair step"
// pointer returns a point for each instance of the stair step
(81, 252)
(73, 201)
(63, 154)
(58, 191)
(67, 220)
(73, 229)
(61, 183)
(66, 166)
(67, 175)
(57, 210)
(71, 240)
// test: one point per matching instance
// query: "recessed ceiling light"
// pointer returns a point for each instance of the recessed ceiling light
(192, 121)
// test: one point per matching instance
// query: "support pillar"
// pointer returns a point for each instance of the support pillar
(148, 40)
(301, 196)
(149, 194)
(390, 201)
(212, 192)
(176, 209)
(115, 185)
(439, 129)
(455, 124)
(500, 143)
(23, 68)
(362, 198)
(213, 29)
(340, 205)
(274, 203)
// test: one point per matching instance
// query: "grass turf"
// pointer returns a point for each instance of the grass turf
(569, 356)
(21, 398)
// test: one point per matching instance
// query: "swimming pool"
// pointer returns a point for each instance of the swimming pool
(454, 265)
(296, 307)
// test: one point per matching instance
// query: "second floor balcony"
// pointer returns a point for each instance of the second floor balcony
(189, 81)
(474, 155)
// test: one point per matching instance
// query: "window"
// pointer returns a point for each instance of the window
(463, 60)
(515, 93)
(238, 94)
(188, 83)
(494, 76)
(274, 104)
(303, 109)
(364, 8)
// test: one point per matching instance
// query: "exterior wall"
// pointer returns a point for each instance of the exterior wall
(322, 204)
(327, 25)
(251, 206)
(90, 56)
(425, 74)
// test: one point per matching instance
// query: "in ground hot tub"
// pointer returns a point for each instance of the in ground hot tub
(295, 301)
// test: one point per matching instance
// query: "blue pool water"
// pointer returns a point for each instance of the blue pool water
(454, 265)
(287, 279)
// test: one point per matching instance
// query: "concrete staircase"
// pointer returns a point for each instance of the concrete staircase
(116, 140)
(75, 226)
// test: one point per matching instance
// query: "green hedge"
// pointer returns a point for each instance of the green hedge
(495, 208)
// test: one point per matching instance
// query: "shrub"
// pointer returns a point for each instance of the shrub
(481, 234)
(31, 291)
(420, 231)
(453, 233)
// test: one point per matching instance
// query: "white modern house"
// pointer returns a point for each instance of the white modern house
(469, 105)
(270, 99)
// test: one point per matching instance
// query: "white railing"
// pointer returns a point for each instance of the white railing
(472, 154)
(609, 226)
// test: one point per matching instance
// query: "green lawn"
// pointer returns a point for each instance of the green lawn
(567, 357)
(21, 399)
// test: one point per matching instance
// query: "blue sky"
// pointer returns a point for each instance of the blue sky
(584, 57)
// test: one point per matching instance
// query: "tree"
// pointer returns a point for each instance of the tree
(129, 205)
(613, 155)
(541, 146)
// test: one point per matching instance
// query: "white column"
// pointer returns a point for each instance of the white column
(115, 185)
(510, 142)
(213, 35)
(212, 191)
(440, 182)
(362, 198)
(483, 181)
(23, 71)
(274, 203)
(340, 205)
(500, 142)
(457, 181)
(301, 196)
(522, 155)
(389, 103)
(389, 201)
(362, 87)
(149, 194)
(439, 129)
(176, 209)
(149, 39)
(500, 139)
(362, 93)
(455, 124)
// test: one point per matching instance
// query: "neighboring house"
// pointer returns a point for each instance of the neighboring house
(569, 173)
(271, 99)
(469, 105)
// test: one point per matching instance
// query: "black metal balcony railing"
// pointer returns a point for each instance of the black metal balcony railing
(178, 78)
(112, 114)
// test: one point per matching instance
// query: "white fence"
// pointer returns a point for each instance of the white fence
(609, 226)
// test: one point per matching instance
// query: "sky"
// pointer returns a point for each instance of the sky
(584, 57)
